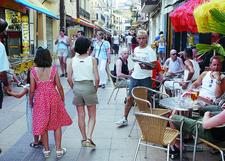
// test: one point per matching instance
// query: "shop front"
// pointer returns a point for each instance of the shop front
(16, 37)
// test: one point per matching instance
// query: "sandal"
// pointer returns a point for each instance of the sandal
(83, 143)
(34, 145)
(90, 143)
(46, 153)
(60, 153)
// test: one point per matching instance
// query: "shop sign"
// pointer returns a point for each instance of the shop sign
(25, 35)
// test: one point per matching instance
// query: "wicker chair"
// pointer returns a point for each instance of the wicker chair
(219, 147)
(117, 85)
(155, 133)
(140, 95)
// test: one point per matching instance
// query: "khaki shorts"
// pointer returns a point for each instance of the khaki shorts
(84, 93)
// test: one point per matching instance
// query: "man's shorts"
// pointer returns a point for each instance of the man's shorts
(146, 82)
(62, 52)
(84, 93)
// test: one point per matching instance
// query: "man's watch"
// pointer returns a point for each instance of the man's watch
(218, 82)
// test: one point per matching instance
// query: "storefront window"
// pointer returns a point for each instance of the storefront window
(17, 32)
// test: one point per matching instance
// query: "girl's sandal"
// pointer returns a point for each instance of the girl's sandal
(34, 145)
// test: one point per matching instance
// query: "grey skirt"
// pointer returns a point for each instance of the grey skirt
(85, 93)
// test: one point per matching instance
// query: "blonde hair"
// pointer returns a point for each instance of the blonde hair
(142, 33)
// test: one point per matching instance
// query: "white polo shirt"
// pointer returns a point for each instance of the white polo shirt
(145, 54)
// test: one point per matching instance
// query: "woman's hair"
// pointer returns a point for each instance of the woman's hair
(3, 25)
(82, 45)
(43, 58)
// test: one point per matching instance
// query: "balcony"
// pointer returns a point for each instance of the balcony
(83, 13)
(148, 5)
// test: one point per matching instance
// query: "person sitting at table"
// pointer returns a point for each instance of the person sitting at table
(208, 131)
(173, 65)
(191, 73)
(121, 68)
(211, 85)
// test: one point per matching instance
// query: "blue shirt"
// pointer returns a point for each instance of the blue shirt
(101, 50)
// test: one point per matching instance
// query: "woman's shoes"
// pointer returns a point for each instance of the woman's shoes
(46, 153)
(60, 153)
(88, 143)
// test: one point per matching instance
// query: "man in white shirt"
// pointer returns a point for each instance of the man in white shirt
(4, 64)
(116, 43)
(173, 65)
(191, 73)
(128, 42)
(142, 74)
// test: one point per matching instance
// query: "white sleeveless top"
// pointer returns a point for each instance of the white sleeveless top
(82, 68)
(196, 71)
(208, 87)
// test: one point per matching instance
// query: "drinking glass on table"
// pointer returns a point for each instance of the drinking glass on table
(177, 94)
(194, 95)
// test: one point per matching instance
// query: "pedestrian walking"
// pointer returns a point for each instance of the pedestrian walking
(26, 91)
(116, 43)
(47, 99)
(4, 65)
(83, 78)
(62, 43)
(102, 53)
(128, 42)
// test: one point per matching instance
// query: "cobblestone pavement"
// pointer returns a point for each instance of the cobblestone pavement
(113, 144)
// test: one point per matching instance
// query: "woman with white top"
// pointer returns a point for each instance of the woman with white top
(62, 43)
(83, 78)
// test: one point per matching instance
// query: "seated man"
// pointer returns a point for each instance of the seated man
(173, 65)
(191, 73)
(121, 68)
(210, 81)
(208, 130)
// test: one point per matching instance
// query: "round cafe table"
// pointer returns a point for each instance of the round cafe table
(180, 104)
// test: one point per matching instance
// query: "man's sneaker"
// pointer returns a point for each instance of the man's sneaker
(122, 122)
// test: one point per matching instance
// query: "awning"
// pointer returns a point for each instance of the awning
(36, 5)
(182, 17)
(85, 23)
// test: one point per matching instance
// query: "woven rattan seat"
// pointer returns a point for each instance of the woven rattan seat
(154, 132)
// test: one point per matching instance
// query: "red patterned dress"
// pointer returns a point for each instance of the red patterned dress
(49, 112)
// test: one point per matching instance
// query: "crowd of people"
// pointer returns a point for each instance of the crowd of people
(88, 71)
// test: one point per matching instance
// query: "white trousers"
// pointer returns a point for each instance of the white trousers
(102, 71)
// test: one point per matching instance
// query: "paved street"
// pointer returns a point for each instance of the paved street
(113, 144)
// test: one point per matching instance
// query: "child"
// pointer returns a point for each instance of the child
(47, 98)
(37, 143)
